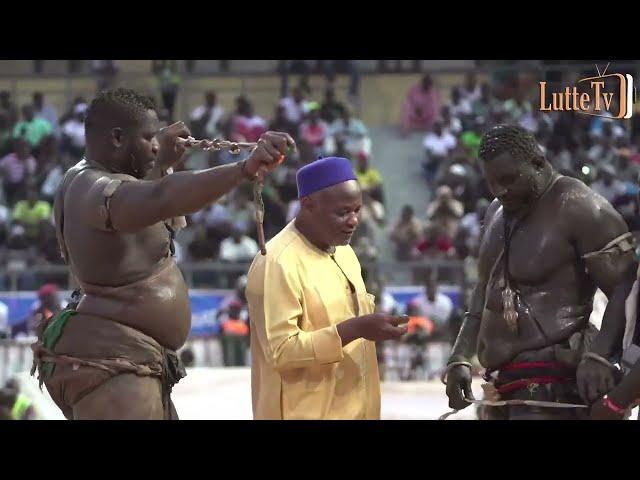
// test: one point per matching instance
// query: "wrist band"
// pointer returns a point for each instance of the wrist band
(607, 402)
(602, 360)
(443, 377)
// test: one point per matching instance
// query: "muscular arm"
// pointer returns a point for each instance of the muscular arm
(467, 341)
(595, 224)
(137, 204)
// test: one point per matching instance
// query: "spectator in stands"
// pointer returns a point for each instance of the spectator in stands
(8, 108)
(234, 336)
(421, 107)
(369, 178)
(30, 213)
(71, 110)
(437, 144)
(450, 123)
(15, 168)
(470, 225)
(295, 106)
(32, 128)
(405, 233)
(6, 134)
(206, 119)
(238, 247)
(433, 242)
(517, 107)
(42, 311)
(281, 122)
(485, 105)
(314, 130)
(445, 211)
(435, 305)
(351, 132)
(247, 126)
(459, 105)
(242, 211)
(73, 139)
(51, 168)
(471, 90)
(45, 111)
(331, 109)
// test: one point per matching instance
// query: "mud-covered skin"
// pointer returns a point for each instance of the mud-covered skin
(569, 221)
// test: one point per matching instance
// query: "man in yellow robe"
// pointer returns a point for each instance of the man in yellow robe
(313, 330)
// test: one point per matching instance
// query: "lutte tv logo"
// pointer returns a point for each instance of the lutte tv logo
(605, 95)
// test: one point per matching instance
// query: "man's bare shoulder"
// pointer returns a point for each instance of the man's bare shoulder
(587, 214)
(578, 202)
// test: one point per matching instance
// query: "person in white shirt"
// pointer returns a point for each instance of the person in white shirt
(295, 106)
(206, 118)
(238, 248)
(435, 305)
(73, 130)
(439, 142)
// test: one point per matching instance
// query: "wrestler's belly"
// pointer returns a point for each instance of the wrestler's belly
(158, 306)
(498, 345)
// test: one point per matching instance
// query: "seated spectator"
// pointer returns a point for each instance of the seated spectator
(41, 312)
(351, 132)
(450, 123)
(517, 107)
(369, 178)
(15, 168)
(33, 129)
(206, 119)
(247, 126)
(295, 106)
(234, 336)
(8, 108)
(460, 176)
(45, 111)
(445, 211)
(6, 135)
(242, 210)
(405, 233)
(314, 131)
(435, 243)
(238, 247)
(471, 90)
(281, 123)
(435, 305)
(331, 109)
(31, 212)
(437, 144)
(73, 140)
(52, 167)
(471, 223)
(459, 106)
(421, 107)
(483, 107)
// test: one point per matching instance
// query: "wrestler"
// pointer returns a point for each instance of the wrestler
(113, 355)
(548, 241)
